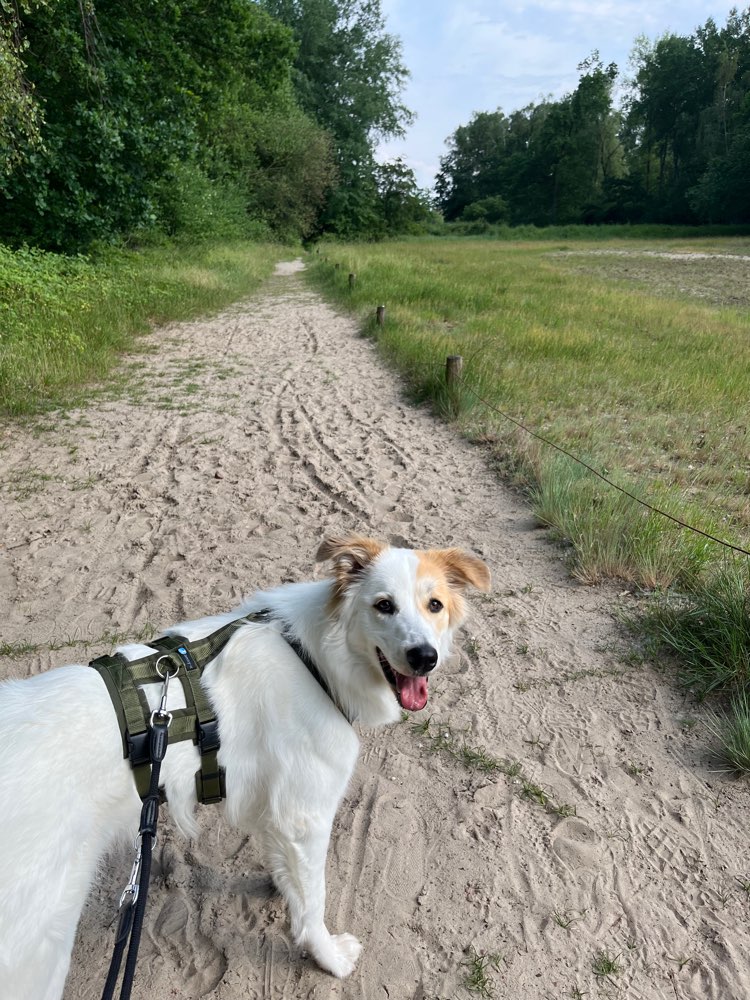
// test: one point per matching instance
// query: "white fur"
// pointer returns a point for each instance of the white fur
(68, 794)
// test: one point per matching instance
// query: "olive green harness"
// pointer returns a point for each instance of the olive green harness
(183, 661)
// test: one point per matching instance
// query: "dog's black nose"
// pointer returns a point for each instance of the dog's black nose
(422, 659)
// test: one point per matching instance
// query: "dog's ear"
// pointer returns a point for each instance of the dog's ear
(462, 569)
(350, 555)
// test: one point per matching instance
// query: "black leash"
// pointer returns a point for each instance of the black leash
(133, 900)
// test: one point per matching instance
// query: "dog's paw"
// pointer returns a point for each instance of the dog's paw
(338, 955)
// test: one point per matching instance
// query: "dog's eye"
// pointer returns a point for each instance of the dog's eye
(386, 607)
(435, 605)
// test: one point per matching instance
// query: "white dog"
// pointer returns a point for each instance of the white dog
(374, 630)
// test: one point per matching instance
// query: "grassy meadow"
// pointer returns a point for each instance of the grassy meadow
(633, 356)
(64, 319)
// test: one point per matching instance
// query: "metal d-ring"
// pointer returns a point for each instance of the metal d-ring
(166, 676)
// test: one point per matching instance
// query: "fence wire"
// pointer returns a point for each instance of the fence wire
(600, 475)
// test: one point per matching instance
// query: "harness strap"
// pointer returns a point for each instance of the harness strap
(268, 616)
(209, 779)
(124, 680)
(116, 673)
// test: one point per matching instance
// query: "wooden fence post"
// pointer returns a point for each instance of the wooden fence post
(454, 365)
(380, 315)
(352, 281)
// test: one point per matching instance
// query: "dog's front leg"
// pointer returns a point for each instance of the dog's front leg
(296, 855)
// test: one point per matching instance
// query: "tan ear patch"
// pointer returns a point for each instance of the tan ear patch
(461, 569)
(350, 555)
(440, 588)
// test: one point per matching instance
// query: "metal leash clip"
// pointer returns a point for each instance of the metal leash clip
(161, 711)
(132, 888)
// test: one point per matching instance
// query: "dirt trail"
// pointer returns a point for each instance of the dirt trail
(222, 460)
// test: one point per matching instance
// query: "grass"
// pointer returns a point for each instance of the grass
(65, 320)
(564, 919)
(439, 737)
(646, 388)
(477, 979)
(634, 374)
(708, 627)
(108, 638)
(604, 965)
(731, 731)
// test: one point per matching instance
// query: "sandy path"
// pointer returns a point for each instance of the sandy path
(224, 458)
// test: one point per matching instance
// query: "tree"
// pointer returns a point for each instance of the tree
(673, 85)
(473, 166)
(19, 109)
(493, 210)
(143, 104)
(403, 207)
(580, 138)
(348, 77)
(722, 193)
(280, 158)
(678, 150)
(547, 162)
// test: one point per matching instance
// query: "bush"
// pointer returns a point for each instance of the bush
(191, 207)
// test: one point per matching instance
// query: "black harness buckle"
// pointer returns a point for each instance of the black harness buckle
(208, 736)
(139, 748)
(211, 788)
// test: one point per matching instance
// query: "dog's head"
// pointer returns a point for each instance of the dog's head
(401, 607)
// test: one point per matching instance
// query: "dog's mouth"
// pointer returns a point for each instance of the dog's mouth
(410, 691)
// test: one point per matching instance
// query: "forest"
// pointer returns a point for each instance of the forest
(668, 143)
(226, 119)
(256, 119)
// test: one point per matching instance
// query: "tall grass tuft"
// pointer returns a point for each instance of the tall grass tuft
(732, 733)
(708, 628)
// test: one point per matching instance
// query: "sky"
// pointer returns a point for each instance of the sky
(480, 55)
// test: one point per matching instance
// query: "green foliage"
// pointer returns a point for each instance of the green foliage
(191, 207)
(19, 109)
(65, 318)
(197, 122)
(348, 77)
(493, 210)
(141, 97)
(401, 205)
(677, 150)
(281, 159)
(478, 155)
(545, 163)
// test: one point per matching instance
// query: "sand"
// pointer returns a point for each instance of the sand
(216, 466)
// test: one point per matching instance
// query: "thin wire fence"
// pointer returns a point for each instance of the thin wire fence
(460, 380)
(455, 380)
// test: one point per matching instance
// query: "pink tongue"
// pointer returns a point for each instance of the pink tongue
(412, 692)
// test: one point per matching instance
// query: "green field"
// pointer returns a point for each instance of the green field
(633, 356)
(638, 364)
